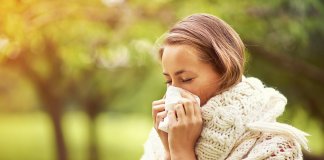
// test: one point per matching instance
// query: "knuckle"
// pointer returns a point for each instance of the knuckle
(158, 108)
(159, 115)
(178, 107)
(194, 101)
(170, 112)
(198, 122)
(172, 126)
(154, 108)
(154, 111)
(154, 103)
(194, 123)
(188, 102)
(186, 124)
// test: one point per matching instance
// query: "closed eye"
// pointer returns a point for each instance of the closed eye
(187, 80)
(168, 82)
(184, 81)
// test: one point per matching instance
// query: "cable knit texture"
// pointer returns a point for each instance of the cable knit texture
(240, 123)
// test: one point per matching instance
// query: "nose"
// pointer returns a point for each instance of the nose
(175, 85)
(178, 85)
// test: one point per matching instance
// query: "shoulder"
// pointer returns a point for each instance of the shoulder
(275, 146)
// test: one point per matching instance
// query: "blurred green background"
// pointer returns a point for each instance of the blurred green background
(77, 77)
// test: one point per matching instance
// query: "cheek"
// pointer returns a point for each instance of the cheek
(204, 88)
(205, 91)
(201, 91)
(203, 95)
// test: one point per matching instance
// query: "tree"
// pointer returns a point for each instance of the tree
(66, 51)
(72, 52)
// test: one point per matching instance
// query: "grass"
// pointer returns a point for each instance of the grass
(26, 136)
(30, 136)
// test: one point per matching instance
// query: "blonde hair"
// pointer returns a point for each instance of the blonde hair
(217, 41)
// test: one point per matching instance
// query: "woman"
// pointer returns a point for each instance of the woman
(236, 118)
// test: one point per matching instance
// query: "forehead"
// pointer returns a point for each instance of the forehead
(177, 57)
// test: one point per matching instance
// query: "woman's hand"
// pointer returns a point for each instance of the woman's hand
(158, 114)
(185, 126)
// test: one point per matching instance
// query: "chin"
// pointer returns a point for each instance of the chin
(205, 99)
(202, 102)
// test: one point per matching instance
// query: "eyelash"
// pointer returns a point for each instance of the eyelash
(184, 81)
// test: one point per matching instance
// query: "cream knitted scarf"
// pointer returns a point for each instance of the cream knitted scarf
(240, 123)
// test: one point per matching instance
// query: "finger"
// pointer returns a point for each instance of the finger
(190, 96)
(161, 101)
(198, 109)
(159, 117)
(188, 106)
(180, 112)
(156, 109)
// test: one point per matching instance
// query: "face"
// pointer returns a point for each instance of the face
(183, 68)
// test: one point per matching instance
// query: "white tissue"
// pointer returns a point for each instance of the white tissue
(172, 97)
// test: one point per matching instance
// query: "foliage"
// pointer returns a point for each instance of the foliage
(99, 56)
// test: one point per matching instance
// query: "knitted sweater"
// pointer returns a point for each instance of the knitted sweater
(240, 123)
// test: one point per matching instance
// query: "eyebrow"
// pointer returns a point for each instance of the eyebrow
(176, 73)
